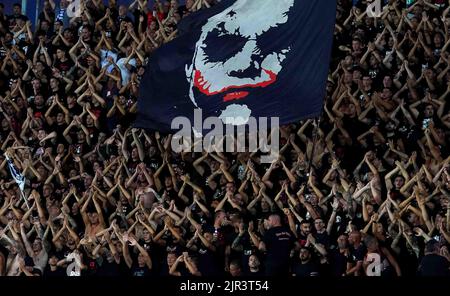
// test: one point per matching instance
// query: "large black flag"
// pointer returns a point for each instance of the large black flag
(242, 58)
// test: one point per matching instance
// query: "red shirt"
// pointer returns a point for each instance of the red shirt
(151, 17)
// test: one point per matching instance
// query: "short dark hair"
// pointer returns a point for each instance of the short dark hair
(49, 185)
(218, 213)
(91, 209)
(61, 48)
(208, 228)
(53, 254)
(306, 248)
(172, 253)
(399, 176)
(89, 28)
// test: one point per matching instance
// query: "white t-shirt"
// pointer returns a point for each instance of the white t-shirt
(103, 59)
(40, 261)
(126, 74)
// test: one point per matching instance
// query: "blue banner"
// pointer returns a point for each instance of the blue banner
(242, 58)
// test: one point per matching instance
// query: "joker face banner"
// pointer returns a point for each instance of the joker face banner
(242, 59)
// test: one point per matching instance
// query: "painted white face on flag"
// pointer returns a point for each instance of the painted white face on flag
(246, 66)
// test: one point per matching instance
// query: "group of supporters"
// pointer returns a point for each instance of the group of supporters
(364, 190)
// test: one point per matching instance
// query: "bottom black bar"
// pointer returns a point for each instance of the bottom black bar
(241, 286)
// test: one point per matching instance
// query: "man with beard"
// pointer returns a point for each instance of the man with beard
(305, 230)
(339, 258)
(17, 13)
(357, 253)
(254, 266)
(52, 269)
(306, 266)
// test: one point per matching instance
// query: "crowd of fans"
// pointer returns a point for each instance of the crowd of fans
(365, 189)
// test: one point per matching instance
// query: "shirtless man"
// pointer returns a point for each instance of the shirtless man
(92, 218)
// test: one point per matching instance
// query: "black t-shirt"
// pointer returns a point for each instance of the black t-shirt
(56, 273)
(208, 262)
(434, 265)
(13, 18)
(4, 20)
(92, 266)
(50, 14)
(131, 165)
(123, 268)
(78, 218)
(306, 269)
(247, 250)
(182, 10)
(109, 269)
(322, 238)
(64, 66)
(302, 239)
(338, 262)
(279, 242)
(358, 220)
(63, 252)
(38, 111)
(173, 195)
(147, 245)
(164, 271)
(136, 270)
(93, 134)
(153, 162)
(407, 257)
(353, 126)
(59, 129)
(75, 110)
(357, 254)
